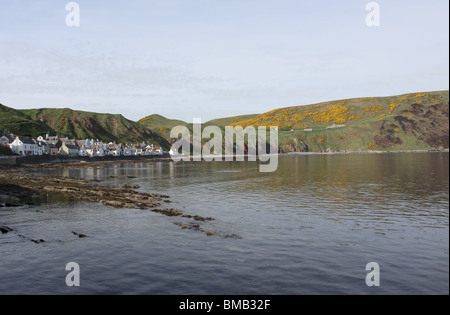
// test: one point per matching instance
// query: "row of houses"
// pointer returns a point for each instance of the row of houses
(70, 147)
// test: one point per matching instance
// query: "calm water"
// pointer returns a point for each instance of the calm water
(309, 228)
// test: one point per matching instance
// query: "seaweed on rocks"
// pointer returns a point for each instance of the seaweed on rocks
(36, 186)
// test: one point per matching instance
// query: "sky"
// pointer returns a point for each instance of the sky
(217, 58)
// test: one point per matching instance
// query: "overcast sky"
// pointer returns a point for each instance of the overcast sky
(217, 58)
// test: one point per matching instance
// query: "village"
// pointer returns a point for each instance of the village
(54, 145)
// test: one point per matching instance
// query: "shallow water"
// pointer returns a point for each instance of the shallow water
(309, 228)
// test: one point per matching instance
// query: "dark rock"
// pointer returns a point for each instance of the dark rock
(11, 205)
(131, 186)
(169, 212)
(184, 226)
(197, 217)
(79, 235)
(38, 241)
(5, 229)
(232, 236)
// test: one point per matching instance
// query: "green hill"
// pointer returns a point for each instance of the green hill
(159, 124)
(19, 123)
(82, 125)
(222, 122)
(162, 125)
(76, 125)
(418, 121)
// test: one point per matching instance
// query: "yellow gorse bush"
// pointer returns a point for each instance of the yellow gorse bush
(393, 107)
(335, 112)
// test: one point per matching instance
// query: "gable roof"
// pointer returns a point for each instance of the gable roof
(71, 147)
(27, 141)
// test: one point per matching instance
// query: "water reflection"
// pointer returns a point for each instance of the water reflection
(375, 186)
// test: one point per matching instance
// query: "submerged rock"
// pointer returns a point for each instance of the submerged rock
(37, 188)
(13, 195)
(38, 241)
(79, 235)
(169, 212)
(196, 227)
(5, 229)
(131, 186)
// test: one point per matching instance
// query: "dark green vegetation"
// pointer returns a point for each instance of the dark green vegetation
(163, 126)
(5, 151)
(19, 123)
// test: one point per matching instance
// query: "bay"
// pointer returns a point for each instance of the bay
(311, 227)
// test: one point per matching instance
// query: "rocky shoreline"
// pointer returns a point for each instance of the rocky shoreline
(29, 189)
(47, 161)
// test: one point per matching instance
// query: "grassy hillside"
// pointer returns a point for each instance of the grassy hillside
(406, 122)
(82, 125)
(21, 124)
(222, 122)
(162, 125)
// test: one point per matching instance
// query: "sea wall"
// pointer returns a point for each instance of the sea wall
(8, 160)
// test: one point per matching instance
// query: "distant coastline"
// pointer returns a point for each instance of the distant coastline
(368, 152)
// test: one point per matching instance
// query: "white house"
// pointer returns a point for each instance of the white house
(82, 151)
(24, 147)
(99, 150)
(115, 150)
(42, 148)
(148, 150)
(4, 140)
(127, 152)
(139, 151)
(159, 151)
(91, 152)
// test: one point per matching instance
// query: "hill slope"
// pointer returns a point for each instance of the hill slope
(82, 125)
(159, 124)
(21, 124)
(162, 125)
(405, 122)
